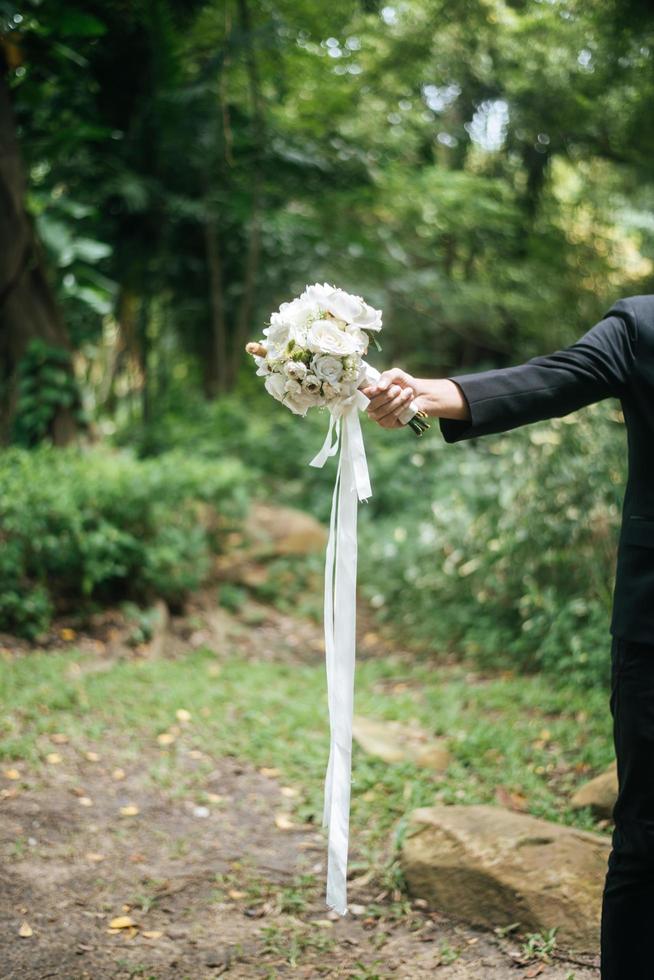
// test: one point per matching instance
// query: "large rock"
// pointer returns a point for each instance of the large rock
(284, 531)
(493, 867)
(599, 794)
(393, 742)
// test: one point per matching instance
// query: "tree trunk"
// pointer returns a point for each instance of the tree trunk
(215, 371)
(27, 305)
(244, 317)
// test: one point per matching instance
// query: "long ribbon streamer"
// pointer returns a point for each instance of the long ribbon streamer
(352, 484)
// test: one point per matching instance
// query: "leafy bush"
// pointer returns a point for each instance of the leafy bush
(501, 549)
(504, 548)
(79, 525)
(271, 441)
(46, 384)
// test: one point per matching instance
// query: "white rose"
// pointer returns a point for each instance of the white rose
(263, 368)
(291, 324)
(275, 386)
(327, 367)
(360, 338)
(368, 318)
(331, 389)
(343, 305)
(299, 312)
(300, 403)
(295, 369)
(324, 337)
(317, 294)
(311, 384)
(277, 336)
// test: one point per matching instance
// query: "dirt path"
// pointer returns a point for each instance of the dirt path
(222, 889)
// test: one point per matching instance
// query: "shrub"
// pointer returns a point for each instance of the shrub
(501, 549)
(505, 547)
(95, 524)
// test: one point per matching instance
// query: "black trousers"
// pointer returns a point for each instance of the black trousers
(627, 935)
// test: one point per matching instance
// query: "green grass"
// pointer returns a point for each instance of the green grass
(520, 733)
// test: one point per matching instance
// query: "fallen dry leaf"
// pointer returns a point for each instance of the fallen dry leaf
(289, 791)
(118, 774)
(234, 893)
(25, 931)
(214, 797)
(53, 758)
(166, 738)
(183, 715)
(152, 934)
(67, 634)
(92, 756)
(283, 822)
(129, 811)
(122, 922)
(59, 738)
(267, 771)
(85, 801)
(512, 801)
(94, 857)
(11, 774)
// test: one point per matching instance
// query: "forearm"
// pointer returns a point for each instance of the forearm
(441, 398)
(597, 366)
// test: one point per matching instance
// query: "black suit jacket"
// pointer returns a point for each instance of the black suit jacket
(614, 359)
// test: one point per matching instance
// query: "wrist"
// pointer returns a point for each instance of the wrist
(441, 398)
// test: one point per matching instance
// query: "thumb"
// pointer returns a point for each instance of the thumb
(393, 376)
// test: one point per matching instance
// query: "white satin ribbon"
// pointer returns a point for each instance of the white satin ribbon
(352, 484)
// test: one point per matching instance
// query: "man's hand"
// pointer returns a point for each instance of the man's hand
(389, 396)
(394, 389)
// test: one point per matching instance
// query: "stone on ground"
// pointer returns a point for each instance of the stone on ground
(284, 531)
(393, 742)
(599, 794)
(493, 867)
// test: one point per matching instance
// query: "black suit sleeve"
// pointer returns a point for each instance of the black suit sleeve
(596, 366)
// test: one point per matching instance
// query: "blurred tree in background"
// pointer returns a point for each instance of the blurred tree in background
(172, 171)
(480, 169)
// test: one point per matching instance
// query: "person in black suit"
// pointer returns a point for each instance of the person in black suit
(614, 359)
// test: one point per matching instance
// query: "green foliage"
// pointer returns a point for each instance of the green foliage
(82, 526)
(481, 171)
(502, 550)
(539, 946)
(505, 551)
(46, 384)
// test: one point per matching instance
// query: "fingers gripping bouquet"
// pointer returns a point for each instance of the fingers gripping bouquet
(312, 353)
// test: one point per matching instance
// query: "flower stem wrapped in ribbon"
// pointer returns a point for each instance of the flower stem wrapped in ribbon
(312, 356)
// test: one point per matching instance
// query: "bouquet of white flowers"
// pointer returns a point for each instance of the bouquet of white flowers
(312, 353)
